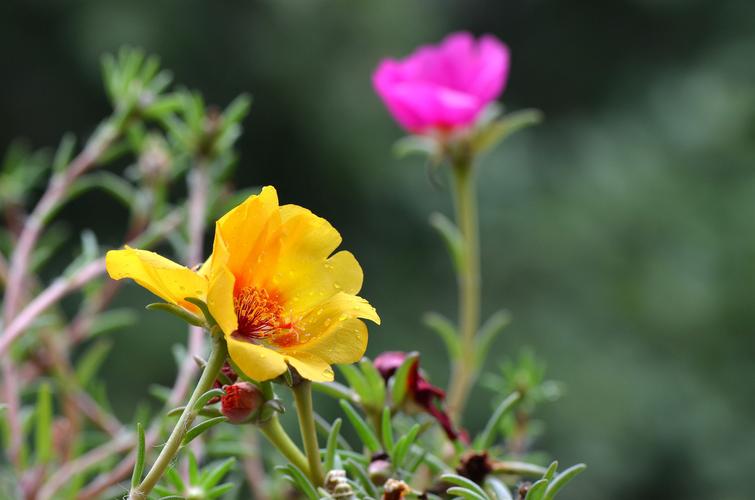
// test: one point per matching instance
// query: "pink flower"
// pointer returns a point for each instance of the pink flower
(444, 86)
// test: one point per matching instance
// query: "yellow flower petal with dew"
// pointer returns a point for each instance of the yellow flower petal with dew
(170, 281)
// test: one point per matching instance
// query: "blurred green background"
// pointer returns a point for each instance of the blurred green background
(618, 233)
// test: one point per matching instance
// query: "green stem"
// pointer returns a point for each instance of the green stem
(276, 434)
(303, 399)
(465, 366)
(169, 451)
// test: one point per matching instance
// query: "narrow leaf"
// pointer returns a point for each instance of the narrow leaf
(451, 237)
(404, 444)
(465, 483)
(177, 311)
(485, 439)
(499, 489)
(330, 449)
(562, 479)
(136, 475)
(365, 433)
(202, 427)
(488, 332)
(446, 331)
(537, 490)
(387, 431)
(401, 378)
(214, 476)
(43, 425)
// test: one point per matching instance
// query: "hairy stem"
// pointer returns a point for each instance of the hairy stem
(303, 399)
(465, 367)
(211, 370)
(276, 434)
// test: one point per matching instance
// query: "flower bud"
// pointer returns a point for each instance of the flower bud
(240, 401)
(395, 489)
(379, 469)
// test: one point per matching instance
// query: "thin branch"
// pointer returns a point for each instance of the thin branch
(83, 463)
(50, 296)
(55, 193)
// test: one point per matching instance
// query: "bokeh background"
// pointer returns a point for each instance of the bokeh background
(619, 233)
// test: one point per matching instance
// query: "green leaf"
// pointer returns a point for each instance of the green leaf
(520, 468)
(375, 382)
(237, 109)
(488, 332)
(551, 471)
(335, 390)
(219, 491)
(464, 483)
(356, 470)
(499, 489)
(193, 469)
(64, 153)
(112, 320)
(465, 493)
(446, 331)
(401, 379)
(177, 311)
(363, 430)
(489, 136)
(451, 237)
(175, 478)
(563, 479)
(202, 307)
(214, 476)
(417, 144)
(43, 425)
(136, 475)
(204, 398)
(298, 479)
(357, 381)
(90, 362)
(330, 449)
(485, 439)
(404, 444)
(202, 427)
(386, 429)
(537, 490)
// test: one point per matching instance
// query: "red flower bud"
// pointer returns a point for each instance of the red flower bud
(240, 401)
(226, 370)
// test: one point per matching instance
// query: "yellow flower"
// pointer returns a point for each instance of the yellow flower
(273, 287)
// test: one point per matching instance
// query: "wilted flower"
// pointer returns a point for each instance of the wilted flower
(240, 401)
(421, 392)
(444, 86)
(273, 287)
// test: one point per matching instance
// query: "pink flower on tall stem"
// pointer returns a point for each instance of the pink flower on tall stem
(444, 86)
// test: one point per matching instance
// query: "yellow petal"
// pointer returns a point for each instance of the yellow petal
(250, 232)
(310, 366)
(170, 281)
(306, 276)
(342, 342)
(221, 285)
(257, 362)
(333, 331)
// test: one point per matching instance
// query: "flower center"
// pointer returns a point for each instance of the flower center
(260, 318)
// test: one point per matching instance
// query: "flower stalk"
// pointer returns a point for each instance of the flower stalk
(465, 365)
(303, 400)
(276, 434)
(210, 373)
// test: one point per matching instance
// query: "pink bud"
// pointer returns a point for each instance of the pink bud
(240, 401)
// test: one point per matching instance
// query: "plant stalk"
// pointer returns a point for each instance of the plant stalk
(303, 399)
(210, 373)
(276, 434)
(464, 368)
